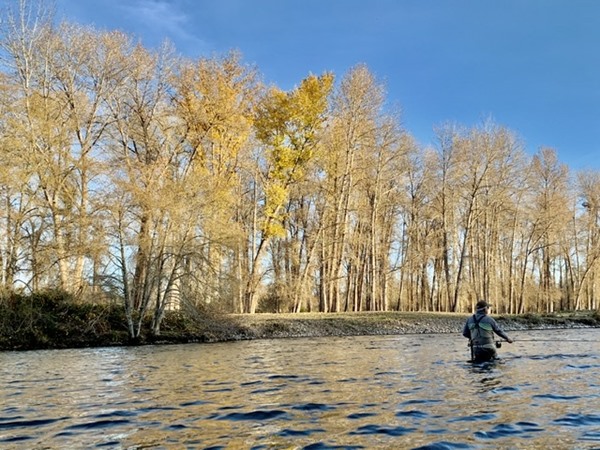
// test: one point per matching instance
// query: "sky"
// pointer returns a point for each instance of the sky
(532, 66)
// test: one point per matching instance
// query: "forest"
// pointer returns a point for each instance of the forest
(138, 177)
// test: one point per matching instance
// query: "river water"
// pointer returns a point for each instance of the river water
(396, 392)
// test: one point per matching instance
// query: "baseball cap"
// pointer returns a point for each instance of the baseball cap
(482, 304)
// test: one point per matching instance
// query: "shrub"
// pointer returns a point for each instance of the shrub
(53, 319)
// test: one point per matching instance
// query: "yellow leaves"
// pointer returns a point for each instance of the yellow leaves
(288, 123)
(310, 100)
(271, 115)
(294, 117)
(272, 228)
(276, 196)
(215, 99)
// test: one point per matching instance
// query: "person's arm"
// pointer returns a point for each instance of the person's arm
(500, 332)
(466, 331)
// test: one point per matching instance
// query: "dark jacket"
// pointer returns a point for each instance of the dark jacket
(480, 329)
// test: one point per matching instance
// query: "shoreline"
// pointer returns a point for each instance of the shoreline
(307, 325)
(213, 328)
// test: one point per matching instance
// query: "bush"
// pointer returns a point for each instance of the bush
(53, 319)
(532, 319)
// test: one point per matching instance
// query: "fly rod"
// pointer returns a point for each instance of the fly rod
(555, 340)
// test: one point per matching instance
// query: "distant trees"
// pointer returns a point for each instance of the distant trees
(135, 174)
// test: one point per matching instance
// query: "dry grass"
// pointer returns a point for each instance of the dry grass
(371, 323)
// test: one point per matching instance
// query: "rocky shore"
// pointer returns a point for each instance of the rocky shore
(62, 324)
(262, 326)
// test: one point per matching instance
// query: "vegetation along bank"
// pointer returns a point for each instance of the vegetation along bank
(56, 320)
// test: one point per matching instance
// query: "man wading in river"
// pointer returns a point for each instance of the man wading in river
(480, 329)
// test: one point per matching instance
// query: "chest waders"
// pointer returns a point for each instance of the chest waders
(483, 340)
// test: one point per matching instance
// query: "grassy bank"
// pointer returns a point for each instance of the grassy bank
(55, 320)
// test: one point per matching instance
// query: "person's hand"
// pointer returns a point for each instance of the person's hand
(510, 341)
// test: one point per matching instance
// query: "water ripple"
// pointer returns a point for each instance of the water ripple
(284, 377)
(251, 383)
(313, 407)
(323, 446)
(253, 415)
(502, 389)
(444, 445)
(288, 432)
(412, 413)
(193, 403)
(360, 415)
(29, 423)
(420, 401)
(590, 436)
(557, 397)
(98, 424)
(577, 420)
(378, 429)
(267, 390)
(474, 418)
(118, 413)
(559, 356)
(9, 439)
(583, 366)
(506, 429)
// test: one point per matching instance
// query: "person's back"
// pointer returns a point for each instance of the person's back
(480, 329)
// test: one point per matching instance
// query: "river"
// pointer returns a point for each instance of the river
(396, 392)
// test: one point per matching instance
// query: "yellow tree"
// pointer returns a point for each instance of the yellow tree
(444, 168)
(146, 197)
(490, 190)
(84, 77)
(215, 99)
(15, 195)
(29, 137)
(60, 79)
(43, 136)
(289, 125)
(416, 238)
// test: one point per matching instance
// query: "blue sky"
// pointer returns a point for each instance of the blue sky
(532, 66)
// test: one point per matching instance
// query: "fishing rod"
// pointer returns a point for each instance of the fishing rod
(555, 340)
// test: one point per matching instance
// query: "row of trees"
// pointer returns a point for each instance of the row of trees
(136, 174)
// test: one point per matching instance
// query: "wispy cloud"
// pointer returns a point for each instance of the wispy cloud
(165, 19)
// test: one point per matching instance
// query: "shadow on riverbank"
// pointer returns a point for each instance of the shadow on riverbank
(56, 321)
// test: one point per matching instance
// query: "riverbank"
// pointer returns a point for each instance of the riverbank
(55, 322)
(262, 326)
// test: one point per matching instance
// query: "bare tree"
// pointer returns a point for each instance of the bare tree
(551, 213)
(583, 266)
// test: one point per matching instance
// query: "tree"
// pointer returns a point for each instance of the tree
(351, 132)
(58, 86)
(445, 206)
(478, 171)
(550, 213)
(146, 144)
(289, 126)
(497, 151)
(216, 99)
(583, 266)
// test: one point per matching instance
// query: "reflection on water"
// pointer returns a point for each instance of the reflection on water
(414, 391)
